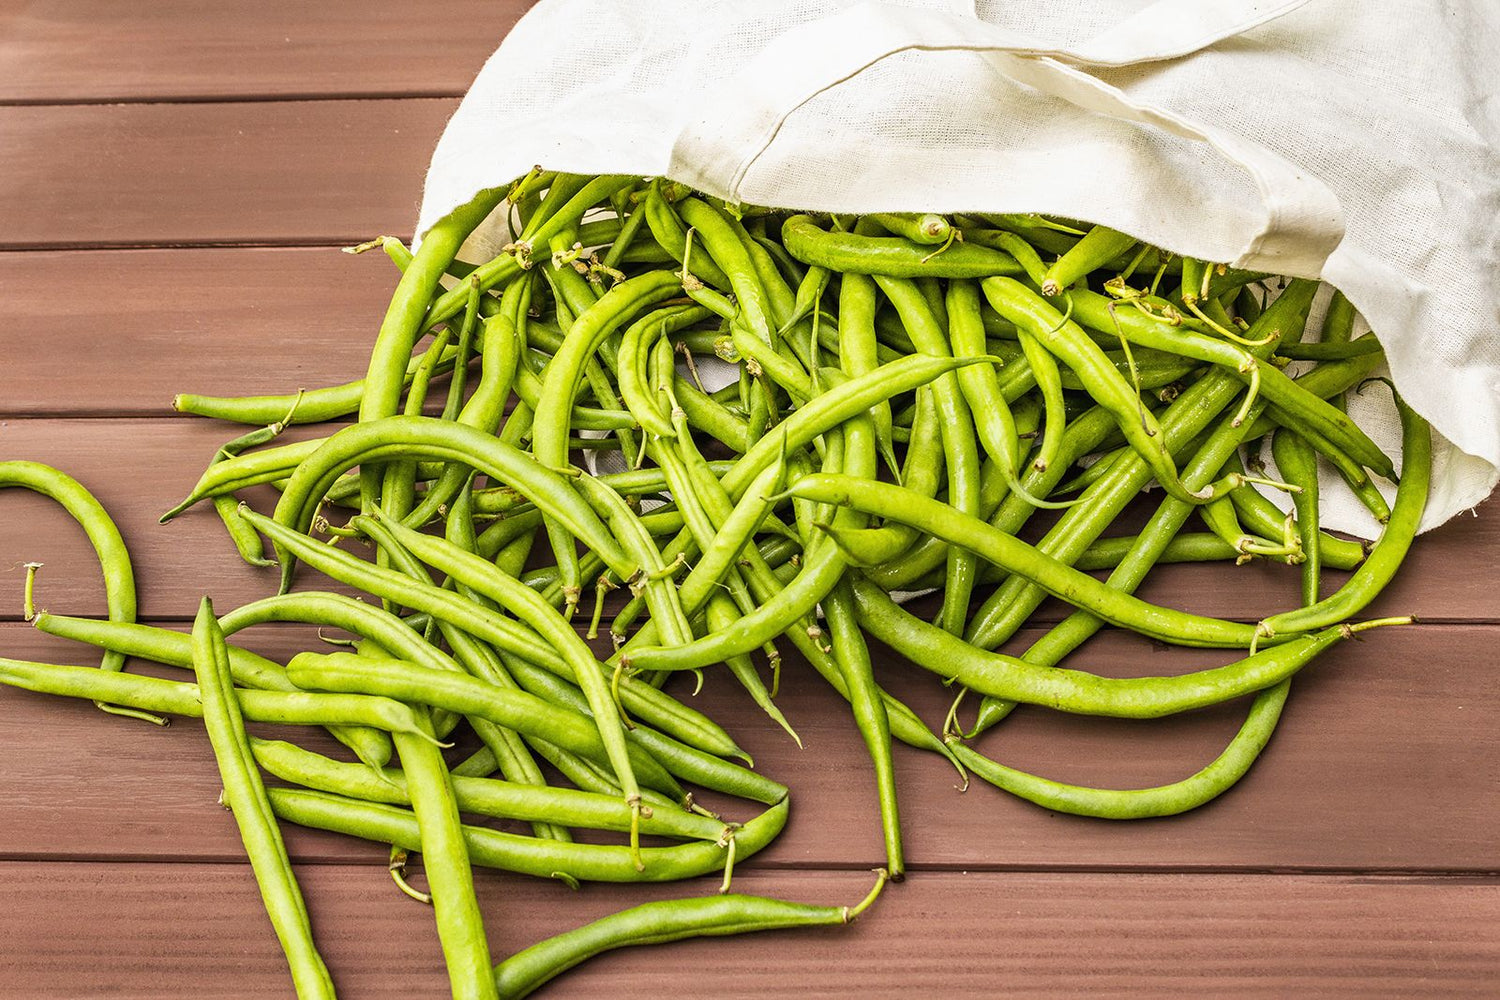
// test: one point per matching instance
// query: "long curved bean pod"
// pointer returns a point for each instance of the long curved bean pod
(1380, 565)
(424, 437)
(1143, 803)
(109, 546)
(662, 921)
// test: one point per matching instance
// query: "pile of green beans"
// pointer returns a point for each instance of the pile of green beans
(715, 433)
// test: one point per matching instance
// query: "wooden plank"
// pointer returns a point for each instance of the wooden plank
(290, 172)
(139, 468)
(223, 322)
(94, 50)
(198, 931)
(1387, 759)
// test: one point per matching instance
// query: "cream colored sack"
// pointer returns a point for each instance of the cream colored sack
(1353, 141)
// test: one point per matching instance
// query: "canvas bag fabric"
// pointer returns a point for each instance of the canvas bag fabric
(1357, 142)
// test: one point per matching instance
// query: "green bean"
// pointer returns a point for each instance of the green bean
(1023, 560)
(1099, 246)
(722, 609)
(890, 256)
(174, 648)
(669, 231)
(1259, 515)
(1048, 377)
(662, 921)
(246, 797)
(109, 547)
(513, 709)
(1338, 321)
(835, 406)
(550, 431)
(1107, 553)
(723, 244)
(956, 425)
(482, 796)
(501, 350)
(421, 436)
(1065, 339)
(994, 422)
(510, 852)
(634, 347)
(526, 605)
(1331, 351)
(1004, 611)
(1297, 464)
(445, 859)
(246, 542)
(680, 759)
(592, 778)
(929, 229)
(253, 469)
(1143, 803)
(853, 657)
(1014, 244)
(1083, 436)
(1316, 416)
(339, 611)
(654, 707)
(312, 406)
(409, 308)
(821, 567)
(1082, 693)
(1147, 549)
(1380, 565)
(154, 694)
(859, 352)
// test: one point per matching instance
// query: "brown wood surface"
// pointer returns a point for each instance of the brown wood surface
(100, 51)
(283, 172)
(215, 322)
(186, 240)
(198, 930)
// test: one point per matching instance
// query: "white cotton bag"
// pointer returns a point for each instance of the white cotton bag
(1357, 142)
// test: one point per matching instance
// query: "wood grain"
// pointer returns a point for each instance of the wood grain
(96, 50)
(197, 931)
(220, 322)
(1366, 772)
(169, 174)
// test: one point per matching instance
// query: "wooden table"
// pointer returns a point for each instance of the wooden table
(174, 182)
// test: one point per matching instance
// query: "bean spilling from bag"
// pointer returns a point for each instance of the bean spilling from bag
(807, 419)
